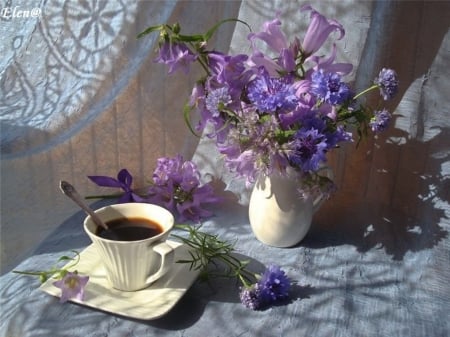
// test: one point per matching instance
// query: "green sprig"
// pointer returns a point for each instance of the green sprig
(208, 250)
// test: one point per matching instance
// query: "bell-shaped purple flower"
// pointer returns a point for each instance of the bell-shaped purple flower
(176, 56)
(318, 31)
(328, 65)
(72, 286)
(272, 35)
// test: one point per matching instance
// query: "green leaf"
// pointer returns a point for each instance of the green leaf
(150, 30)
(191, 38)
(212, 30)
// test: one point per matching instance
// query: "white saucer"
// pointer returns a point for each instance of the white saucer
(150, 303)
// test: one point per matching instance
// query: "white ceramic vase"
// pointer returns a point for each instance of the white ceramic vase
(278, 216)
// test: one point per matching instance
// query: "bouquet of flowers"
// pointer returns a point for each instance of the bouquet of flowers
(282, 109)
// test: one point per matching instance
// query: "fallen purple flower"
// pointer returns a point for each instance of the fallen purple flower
(72, 286)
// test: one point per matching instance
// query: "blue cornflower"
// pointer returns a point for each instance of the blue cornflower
(272, 288)
(308, 149)
(380, 120)
(274, 285)
(329, 87)
(217, 100)
(270, 94)
(387, 81)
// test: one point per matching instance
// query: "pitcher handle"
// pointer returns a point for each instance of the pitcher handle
(318, 202)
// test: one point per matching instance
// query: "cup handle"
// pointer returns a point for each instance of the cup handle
(167, 257)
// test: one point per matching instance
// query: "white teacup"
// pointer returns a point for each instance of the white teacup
(133, 265)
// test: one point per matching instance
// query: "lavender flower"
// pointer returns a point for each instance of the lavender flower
(177, 187)
(124, 181)
(387, 81)
(380, 120)
(72, 286)
(217, 100)
(251, 297)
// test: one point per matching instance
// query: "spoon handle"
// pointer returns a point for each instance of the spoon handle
(72, 193)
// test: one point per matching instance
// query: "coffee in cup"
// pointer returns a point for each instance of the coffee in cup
(133, 249)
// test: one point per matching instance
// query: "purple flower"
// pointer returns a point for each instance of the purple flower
(251, 297)
(387, 81)
(271, 94)
(217, 100)
(308, 149)
(175, 56)
(177, 188)
(272, 288)
(380, 120)
(329, 88)
(318, 31)
(328, 65)
(123, 181)
(229, 71)
(272, 35)
(72, 286)
(274, 285)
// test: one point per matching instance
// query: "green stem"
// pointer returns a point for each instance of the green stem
(375, 86)
(33, 273)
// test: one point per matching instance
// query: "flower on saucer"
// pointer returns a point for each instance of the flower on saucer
(72, 286)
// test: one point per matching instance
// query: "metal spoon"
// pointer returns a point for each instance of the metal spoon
(72, 193)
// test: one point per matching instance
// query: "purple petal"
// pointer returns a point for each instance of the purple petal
(318, 31)
(105, 181)
(125, 177)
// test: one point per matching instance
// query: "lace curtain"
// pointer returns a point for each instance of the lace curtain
(80, 95)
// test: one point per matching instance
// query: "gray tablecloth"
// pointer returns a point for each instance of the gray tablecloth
(376, 260)
(386, 281)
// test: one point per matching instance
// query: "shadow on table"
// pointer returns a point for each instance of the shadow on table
(413, 222)
(192, 305)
